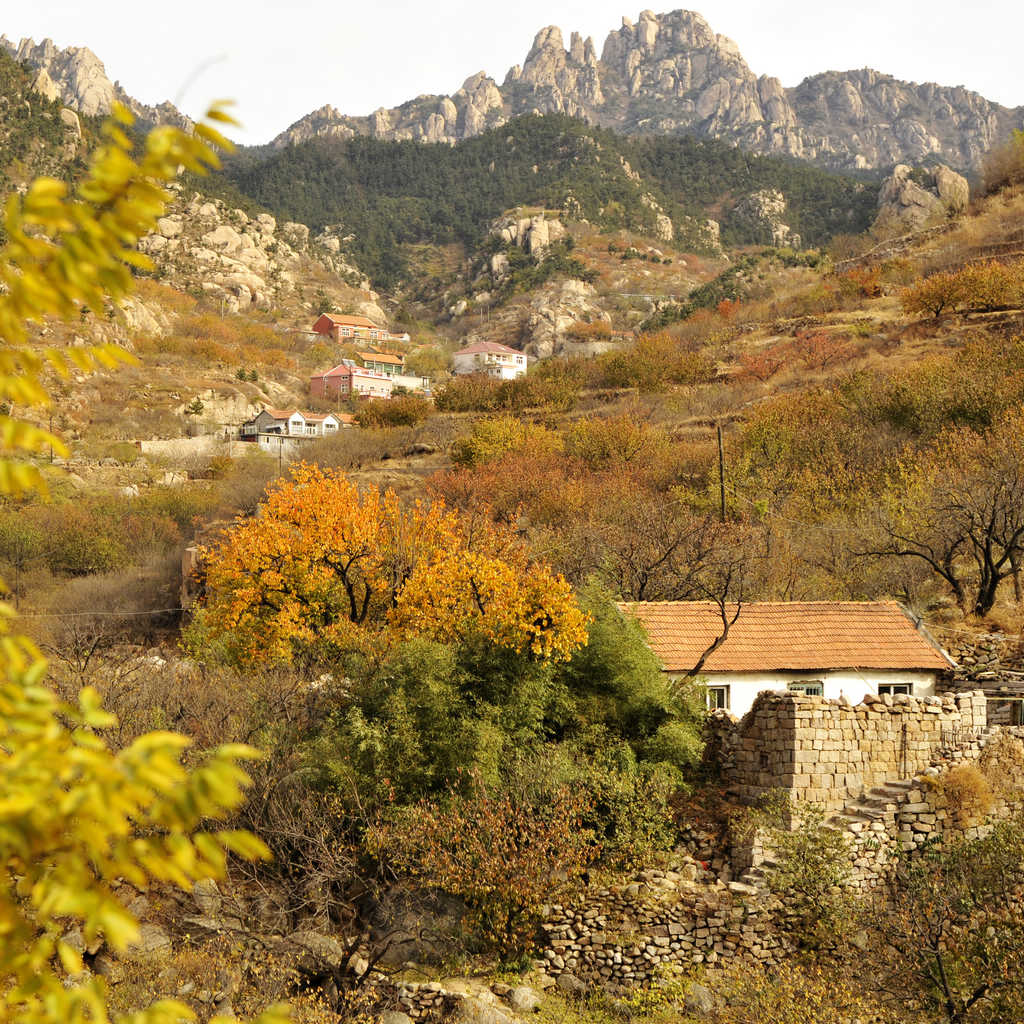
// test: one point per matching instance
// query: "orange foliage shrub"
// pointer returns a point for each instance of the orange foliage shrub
(325, 569)
(861, 281)
(967, 792)
(599, 330)
(504, 855)
(655, 363)
(976, 287)
(399, 411)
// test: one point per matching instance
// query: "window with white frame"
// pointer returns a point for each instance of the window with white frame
(809, 687)
(718, 698)
(894, 688)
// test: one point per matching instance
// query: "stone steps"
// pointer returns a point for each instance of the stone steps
(874, 805)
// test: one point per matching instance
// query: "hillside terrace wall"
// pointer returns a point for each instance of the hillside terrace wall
(830, 752)
(922, 813)
(622, 937)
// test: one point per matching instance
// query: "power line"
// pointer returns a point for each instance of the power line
(92, 615)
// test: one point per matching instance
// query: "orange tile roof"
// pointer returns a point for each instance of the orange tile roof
(799, 636)
(281, 414)
(350, 320)
(380, 357)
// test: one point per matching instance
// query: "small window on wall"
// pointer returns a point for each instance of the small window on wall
(812, 688)
(894, 688)
(718, 698)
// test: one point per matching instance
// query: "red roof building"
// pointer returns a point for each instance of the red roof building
(352, 327)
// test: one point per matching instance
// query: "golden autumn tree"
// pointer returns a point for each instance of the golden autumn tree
(326, 568)
(75, 818)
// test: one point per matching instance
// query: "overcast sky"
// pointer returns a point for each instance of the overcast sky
(280, 60)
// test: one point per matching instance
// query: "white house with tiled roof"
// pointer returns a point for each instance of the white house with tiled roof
(491, 358)
(289, 423)
(831, 649)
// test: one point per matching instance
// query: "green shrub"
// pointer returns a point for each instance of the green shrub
(398, 411)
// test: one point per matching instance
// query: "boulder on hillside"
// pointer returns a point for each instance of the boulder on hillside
(912, 200)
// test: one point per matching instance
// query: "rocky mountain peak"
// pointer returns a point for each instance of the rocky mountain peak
(663, 73)
(76, 77)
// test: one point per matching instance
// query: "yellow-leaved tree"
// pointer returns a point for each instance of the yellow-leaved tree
(327, 568)
(75, 818)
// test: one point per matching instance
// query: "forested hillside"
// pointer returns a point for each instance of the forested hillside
(33, 138)
(387, 194)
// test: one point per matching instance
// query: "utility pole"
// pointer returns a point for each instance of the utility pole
(721, 471)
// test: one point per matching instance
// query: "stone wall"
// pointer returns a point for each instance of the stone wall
(985, 652)
(900, 818)
(829, 752)
(622, 937)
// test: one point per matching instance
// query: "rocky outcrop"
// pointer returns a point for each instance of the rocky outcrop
(760, 215)
(543, 325)
(242, 261)
(534, 234)
(912, 201)
(670, 73)
(553, 314)
(76, 77)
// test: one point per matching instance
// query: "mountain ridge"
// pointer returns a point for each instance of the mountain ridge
(77, 78)
(672, 74)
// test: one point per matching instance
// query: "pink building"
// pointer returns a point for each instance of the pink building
(347, 379)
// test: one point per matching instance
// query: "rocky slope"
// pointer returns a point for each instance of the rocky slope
(205, 247)
(76, 77)
(672, 73)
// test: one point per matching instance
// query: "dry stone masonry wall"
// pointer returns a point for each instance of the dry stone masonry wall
(829, 752)
(624, 937)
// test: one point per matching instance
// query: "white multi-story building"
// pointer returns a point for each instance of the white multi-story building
(491, 358)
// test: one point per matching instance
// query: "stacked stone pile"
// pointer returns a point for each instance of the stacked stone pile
(987, 652)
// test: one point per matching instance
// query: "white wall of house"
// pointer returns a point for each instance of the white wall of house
(504, 366)
(280, 444)
(741, 688)
(405, 380)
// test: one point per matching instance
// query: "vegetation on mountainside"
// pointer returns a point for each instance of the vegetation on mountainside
(489, 751)
(78, 817)
(32, 135)
(387, 194)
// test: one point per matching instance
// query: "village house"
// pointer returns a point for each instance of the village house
(392, 364)
(283, 430)
(491, 358)
(388, 363)
(341, 327)
(290, 423)
(830, 649)
(348, 379)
